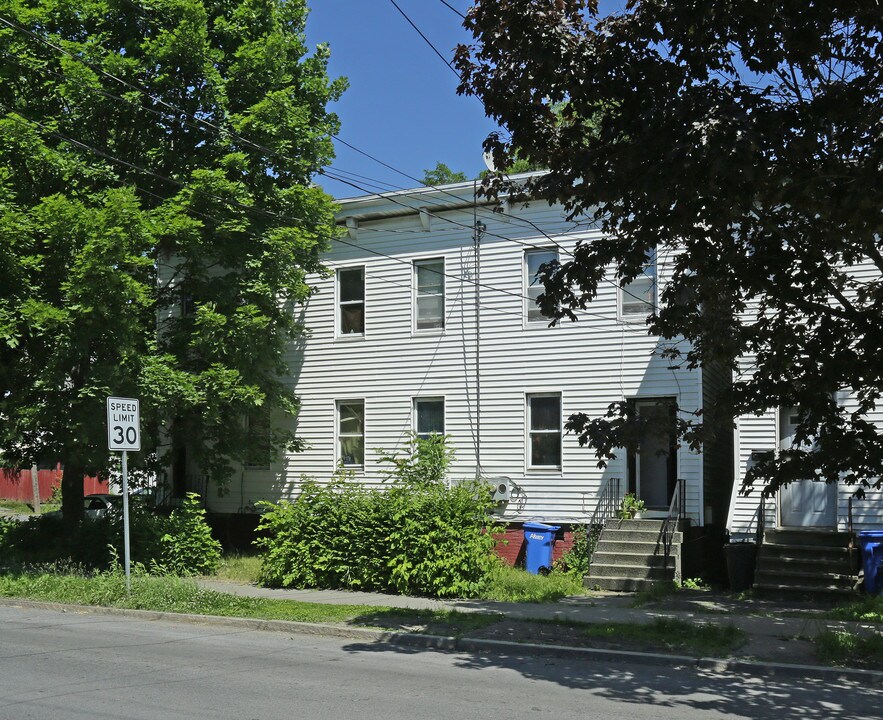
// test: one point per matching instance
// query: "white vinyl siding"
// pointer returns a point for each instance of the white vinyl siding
(588, 364)
(429, 300)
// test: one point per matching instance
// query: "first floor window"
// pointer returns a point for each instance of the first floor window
(430, 299)
(638, 298)
(429, 417)
(351, 299)
(351, 432)
(544, 423)
(258, 438)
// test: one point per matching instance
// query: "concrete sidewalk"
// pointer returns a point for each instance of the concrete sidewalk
(776, 632)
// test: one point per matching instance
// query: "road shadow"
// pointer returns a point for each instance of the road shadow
(672, 686)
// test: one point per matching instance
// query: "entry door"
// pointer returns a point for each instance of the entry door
(654, 463)
(805, 503)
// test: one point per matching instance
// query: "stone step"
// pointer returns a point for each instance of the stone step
(805, 537)
(619, 584)
(639, 548)
(817, 579)
(785, 564)
(640, 572)
(628, 558)
(638, 535)
(648, 525)
(805, 552)
(803, 592)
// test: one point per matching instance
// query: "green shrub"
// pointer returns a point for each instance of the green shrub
(575, 562)
(417, 537)
(188, 547)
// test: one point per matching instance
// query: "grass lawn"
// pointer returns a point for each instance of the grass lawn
(850, 650)
(171, 594)
(673, 636)
(867, 609)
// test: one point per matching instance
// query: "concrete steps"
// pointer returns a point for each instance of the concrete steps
(799, 563)
(630, 557)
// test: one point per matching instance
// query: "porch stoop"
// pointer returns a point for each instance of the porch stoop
(806, 563)
(630, 556)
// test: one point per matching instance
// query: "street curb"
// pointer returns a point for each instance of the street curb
(453, 644)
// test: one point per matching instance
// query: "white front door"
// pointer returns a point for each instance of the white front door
(805, 503)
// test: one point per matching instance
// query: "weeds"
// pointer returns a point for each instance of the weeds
(850, 650)
(673, 635)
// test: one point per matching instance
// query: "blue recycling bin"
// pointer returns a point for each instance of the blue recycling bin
(539, 539)
(871, 542)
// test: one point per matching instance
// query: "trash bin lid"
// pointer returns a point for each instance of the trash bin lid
(871, 534)
(541, 526)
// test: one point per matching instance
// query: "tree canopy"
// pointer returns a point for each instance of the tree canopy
(157, 221)
(441, 174)
(745, 138)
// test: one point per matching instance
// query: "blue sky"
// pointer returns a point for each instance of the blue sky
(401, 106)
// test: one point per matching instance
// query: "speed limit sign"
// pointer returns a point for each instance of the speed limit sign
(123, 424)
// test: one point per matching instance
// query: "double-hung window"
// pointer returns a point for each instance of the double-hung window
(351, 433)
(544, 430)
(430, 296)
(429, 417)
(533, 259)
(637, 299)
(351, 301)
(258, 436)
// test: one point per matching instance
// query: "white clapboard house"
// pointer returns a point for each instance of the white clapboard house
(426, 324)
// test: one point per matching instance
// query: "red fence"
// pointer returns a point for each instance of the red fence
(18, 486)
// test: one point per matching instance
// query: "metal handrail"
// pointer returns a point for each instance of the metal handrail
(676, 513)
(609, 500)
(761, 521)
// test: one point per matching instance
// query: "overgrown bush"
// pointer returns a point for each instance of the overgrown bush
(180, 544)
(187, 546)
(575, 561)
(416, 537)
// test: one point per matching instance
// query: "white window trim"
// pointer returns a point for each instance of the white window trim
(527, 303)
(338, 330)
(338, 462)
(528, 457)
(622, 294)
(430, 398)
(414, 290)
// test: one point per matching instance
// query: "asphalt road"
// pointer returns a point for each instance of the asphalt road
(72, 665)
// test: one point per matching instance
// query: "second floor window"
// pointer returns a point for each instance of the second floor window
(533, 259)
(430, 299)
(351, 301)
(637, 299)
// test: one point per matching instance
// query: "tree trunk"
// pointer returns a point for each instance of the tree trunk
(72, 509)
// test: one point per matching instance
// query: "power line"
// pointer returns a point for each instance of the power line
(426, 39)
(451, 7)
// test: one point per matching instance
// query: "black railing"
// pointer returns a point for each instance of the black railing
(677, 510)
(609, 500)
(761, 521)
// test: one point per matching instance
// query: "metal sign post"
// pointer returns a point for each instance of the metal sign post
(124, 434)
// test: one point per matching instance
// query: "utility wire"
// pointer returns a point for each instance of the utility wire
(451, 7)
(426, 39)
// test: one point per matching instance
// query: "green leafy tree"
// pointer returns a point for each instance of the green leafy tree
(157, 221)
(744, 136)
(441, 174)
